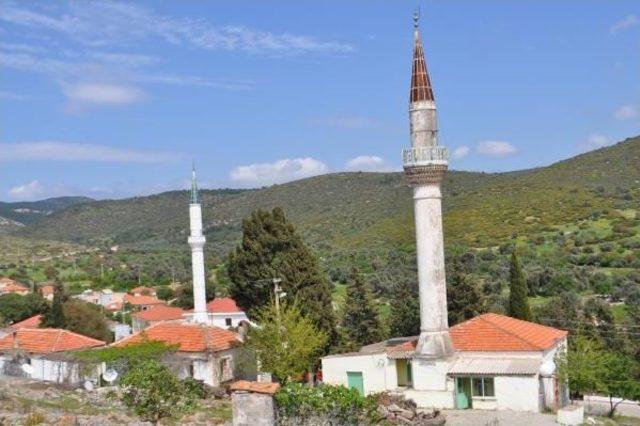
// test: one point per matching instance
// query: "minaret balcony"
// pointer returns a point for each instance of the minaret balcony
(424, 156)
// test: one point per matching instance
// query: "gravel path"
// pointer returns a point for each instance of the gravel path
(498, 418)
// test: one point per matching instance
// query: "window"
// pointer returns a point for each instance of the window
(227, 322)
(483, 386)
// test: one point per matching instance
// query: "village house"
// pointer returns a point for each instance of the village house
(204, 352)
(47, 290)
(31, 322)
(143, 291)
(499, 363)
(143, 319)
(142, 303)
(45, 354)
(9, 286)
(224, 312)
(488, 362)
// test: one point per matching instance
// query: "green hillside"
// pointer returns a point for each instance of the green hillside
(367, 211)
(14, 215)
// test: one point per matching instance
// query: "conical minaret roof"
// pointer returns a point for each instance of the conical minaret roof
(420, 82)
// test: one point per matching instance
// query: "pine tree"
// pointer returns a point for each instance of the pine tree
(55, 318)
(518, 302)
(404, 319)
(360, 321)
(271, 248)
(463, 297)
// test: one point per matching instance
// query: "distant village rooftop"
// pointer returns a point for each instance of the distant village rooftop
(47, 340)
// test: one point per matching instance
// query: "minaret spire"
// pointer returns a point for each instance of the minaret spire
(420, 82)
(196, 241)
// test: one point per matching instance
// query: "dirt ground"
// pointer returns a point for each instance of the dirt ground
(517, 418)
(26, 402)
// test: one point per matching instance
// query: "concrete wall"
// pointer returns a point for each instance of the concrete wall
(519, 393)
(219, 319)
(253, 409)
(378, 372)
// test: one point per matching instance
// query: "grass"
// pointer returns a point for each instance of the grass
(619, 313)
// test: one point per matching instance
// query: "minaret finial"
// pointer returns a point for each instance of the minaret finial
(416, 18)
(194, 185)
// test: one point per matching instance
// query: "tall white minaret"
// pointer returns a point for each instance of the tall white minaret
(425, 164)
(196, 241)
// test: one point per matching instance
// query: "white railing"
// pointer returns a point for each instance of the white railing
(425, 155)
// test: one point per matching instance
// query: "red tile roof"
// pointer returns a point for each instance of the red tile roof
(188, 337)
(142, 290)
(113, 306)
(420, 82)
(493, 332)
(160, 313)
(48, 289)
(33, 322)
(142, 300)
(223, 304)
(257, 387)
(47, 340)
(14, 287)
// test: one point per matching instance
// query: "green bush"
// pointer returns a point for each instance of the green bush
(337, 404)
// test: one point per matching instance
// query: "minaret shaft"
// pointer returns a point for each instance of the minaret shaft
(196, 241)
(425, 164)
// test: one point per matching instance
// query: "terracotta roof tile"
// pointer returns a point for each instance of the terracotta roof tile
(257, 387)
(33, 322)
(14, 287)
(223, 304)
(142, 300)
(493, 332)
(188, 337)
(160, 313)
(47, 340)
(420, 83)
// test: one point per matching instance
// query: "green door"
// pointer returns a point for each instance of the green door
(463, 393)
(355, 381)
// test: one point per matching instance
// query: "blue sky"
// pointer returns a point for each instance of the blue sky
(113, 99)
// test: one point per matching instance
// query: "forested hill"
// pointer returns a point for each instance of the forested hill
(361, 211)
(16, 215)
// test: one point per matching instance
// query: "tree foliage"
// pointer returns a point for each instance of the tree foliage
(152, 390)
(518, 293)
(360, 321)
(86, 319)
(14, 308)
(287, 342)
(55, 317)
(271, 248)
(404, 319)
(464, 300)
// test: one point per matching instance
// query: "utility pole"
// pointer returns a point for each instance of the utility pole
(276, 291)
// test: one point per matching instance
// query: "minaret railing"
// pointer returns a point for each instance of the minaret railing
(420, 156)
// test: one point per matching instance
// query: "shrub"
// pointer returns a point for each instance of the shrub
(336, 404)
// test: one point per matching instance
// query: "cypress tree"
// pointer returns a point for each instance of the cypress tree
(55, 318)
(271, 248)
(518, 302)
(404, 319)
(360, 321)
(463, 297)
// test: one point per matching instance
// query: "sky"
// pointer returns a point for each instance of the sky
(115, 99)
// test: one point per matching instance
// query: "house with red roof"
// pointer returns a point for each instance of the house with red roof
(32, 322)
(8, 286)
(45, 354)
(204, 352)
(143, 319)
(143, 291)
(498, 363)
(142, 303)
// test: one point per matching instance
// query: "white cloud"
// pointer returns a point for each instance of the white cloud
(460, 152)
(65, 151)
(34, 190)
(368, 163)
(594, 141)
(624, 24)
(277, 172)
(496, 149)
(102, 94)
(110, 23)
(626, 112)
(344, 122)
